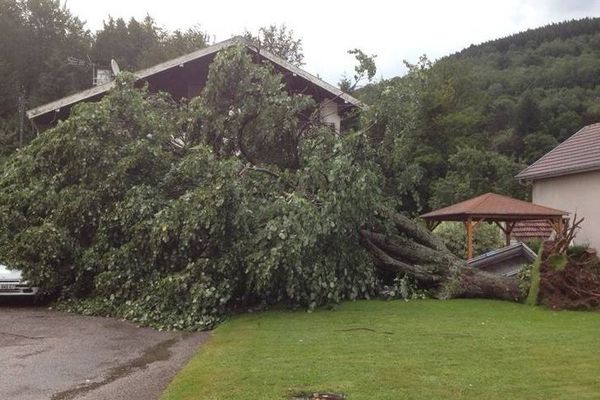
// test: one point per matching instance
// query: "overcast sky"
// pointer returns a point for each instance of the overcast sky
(393, 30)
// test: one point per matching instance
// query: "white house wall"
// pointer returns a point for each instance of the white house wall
(576, 193)
(330, 114)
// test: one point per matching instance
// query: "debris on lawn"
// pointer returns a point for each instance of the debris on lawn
(319, 396)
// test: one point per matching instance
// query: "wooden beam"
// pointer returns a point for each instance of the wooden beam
(476, 223)
(509, 228)
(500, 226)
(557, 225)
(431, 225)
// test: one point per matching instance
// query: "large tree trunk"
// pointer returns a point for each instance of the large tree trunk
(414, 251)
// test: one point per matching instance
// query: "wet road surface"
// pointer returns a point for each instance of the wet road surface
(46, 354)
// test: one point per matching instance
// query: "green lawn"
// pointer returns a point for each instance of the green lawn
(428, 349)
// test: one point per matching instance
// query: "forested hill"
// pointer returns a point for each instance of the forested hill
(491, 108)
(532, 38)
(558, 65)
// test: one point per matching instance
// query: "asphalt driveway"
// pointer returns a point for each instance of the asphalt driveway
(47, 354)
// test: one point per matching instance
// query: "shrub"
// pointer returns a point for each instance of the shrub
(534, 245)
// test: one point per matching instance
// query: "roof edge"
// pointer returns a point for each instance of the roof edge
(306, 75)
(454, 212)
(523, 175)
(146, 72)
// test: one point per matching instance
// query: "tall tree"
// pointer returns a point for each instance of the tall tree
(139, 44)
(472, 172)
(36, 37)
(528, 115)
(279, 40)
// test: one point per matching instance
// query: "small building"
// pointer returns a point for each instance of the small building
(184, 77)
(568, 178)
(504, 211)
(507, 261)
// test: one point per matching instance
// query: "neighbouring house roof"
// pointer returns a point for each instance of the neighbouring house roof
(507, 261)
(525, 231)
(579, 153)
(166, 68)
(493, 207)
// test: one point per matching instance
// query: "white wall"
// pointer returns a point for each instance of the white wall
(577, 193)
(328, 110)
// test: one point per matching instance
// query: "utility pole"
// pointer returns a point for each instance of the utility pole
(21, 114)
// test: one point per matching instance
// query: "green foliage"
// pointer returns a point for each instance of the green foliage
(577, 250)
(9, 139)
(473, 172)
(38, 36)
(139, 44)
(170, 215)
(279, 40)
(365, 69)
(557, 261)
(486, 237)
(524, 276)
(395, 119)
(535, 245)
(518, 96)
(534, 279)
(527, 115)
(244, 109)
(403, 287)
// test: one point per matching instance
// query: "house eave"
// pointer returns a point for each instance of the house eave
(556, 174)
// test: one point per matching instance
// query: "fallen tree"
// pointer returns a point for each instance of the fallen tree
(173, 215)
(414, 251)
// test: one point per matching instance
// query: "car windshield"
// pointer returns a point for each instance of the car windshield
(9, 274)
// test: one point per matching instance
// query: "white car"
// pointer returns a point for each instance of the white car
(11, 283)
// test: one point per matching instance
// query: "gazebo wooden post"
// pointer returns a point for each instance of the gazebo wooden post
(469, 227)
(508, 230)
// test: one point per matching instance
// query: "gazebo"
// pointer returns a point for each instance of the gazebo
(490, 207)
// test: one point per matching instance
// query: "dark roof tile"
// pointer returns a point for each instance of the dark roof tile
(529, 230)
(579, 153)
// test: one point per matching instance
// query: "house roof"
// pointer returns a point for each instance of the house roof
(96, 91)
(493, 207)
(579, 153)
(534, 229)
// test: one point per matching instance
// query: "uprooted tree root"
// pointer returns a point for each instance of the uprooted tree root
(574, 286)
(412, 250)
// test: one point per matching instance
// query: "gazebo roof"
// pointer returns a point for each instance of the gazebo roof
(493, 207)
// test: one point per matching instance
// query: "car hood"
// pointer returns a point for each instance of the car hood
(9, 275)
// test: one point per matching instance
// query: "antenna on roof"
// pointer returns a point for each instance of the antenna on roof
(115, 67)
(76, 61)
(100, 75)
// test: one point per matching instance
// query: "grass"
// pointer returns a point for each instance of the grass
(428, 349)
